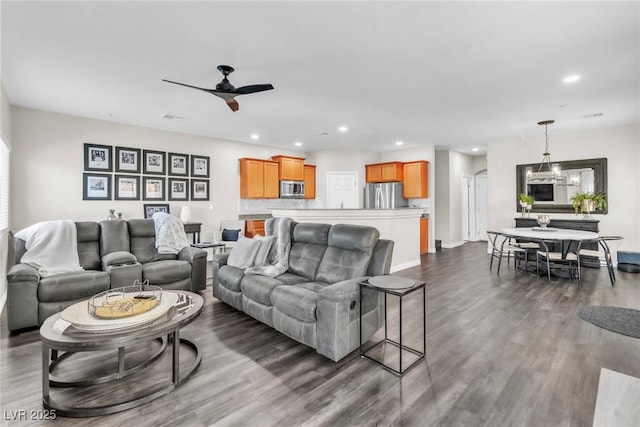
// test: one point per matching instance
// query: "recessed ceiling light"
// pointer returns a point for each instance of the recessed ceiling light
(255, 136)
(399, 142)
(297, 143)
(108, 116)
(571, 79)
(343, 128)
(564, 105)
(475, 149)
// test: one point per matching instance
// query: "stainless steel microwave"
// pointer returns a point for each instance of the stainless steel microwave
(291, 189)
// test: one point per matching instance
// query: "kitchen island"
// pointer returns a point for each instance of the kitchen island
(400, 225)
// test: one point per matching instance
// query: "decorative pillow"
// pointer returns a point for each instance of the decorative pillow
(230, 235)
(243, 253)
(263, 251)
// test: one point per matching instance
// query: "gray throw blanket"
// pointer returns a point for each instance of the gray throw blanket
(170, 235)
(278, 259)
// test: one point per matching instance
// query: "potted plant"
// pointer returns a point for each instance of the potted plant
(588, 202)
(526, 202)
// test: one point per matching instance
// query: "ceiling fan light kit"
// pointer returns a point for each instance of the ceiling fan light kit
(226, 90)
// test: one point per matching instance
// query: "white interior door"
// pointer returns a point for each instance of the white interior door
(482, 201)
(342, 190)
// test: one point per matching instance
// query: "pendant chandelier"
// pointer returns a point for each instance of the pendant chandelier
(545, 165)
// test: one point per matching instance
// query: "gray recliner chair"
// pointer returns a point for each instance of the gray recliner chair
(113, 254)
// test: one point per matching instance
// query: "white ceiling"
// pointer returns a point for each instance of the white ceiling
(450, 74)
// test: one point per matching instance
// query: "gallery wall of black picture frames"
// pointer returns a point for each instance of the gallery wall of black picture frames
(124, 173)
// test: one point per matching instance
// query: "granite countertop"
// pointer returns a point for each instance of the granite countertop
(255, 216)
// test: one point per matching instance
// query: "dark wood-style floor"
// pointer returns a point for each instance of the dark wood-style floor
(501, 351)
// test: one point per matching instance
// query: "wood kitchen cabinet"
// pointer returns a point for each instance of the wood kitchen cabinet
(291, 168)
(258, 179)
(424, 235)
(384, 172)
(415, 180)
(254, 228)
(309, 182)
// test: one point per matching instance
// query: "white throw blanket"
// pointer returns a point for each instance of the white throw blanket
(52, 247)
(278, 259)
(170, 235)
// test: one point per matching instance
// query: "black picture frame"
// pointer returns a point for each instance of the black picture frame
(127, 160)
(127, 187)
(151, 208)
(178, 164)
(96, 186)
(200, 166)
(153, 188)
(199, 190)
(154, 162)
(98, 158)
(178, 189)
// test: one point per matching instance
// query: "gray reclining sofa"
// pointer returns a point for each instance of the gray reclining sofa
(113, 254)
(315, 302)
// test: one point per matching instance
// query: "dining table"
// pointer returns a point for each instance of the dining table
(550, 238)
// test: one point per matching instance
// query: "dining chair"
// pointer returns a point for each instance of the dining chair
(501, 245)
(605, 255)
(558, 260)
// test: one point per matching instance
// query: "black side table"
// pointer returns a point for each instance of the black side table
(400, 287)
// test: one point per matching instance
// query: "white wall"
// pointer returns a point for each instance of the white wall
(620, 145)
(48, 159)
(451, 167)
(479, 164)
(5, 130)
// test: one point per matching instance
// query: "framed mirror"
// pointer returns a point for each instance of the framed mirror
(553, 190)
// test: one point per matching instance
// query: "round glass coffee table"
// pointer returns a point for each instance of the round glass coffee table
(165, 329)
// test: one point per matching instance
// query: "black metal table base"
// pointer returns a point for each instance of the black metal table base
(400, 293)
(401, 348)
(177, 379)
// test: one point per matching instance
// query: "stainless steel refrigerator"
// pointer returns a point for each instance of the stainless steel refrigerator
(386, 195)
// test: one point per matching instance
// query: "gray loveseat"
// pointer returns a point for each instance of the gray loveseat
(315, 302)
(113, 254)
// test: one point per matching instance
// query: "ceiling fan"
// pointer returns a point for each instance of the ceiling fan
(226, 90)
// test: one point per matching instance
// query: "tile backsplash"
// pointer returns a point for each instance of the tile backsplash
(264, 206)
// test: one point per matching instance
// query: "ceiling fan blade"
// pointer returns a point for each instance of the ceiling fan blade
(244, 90)
(233, 104)
(193, 87)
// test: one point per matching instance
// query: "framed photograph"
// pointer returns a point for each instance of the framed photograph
(178, 189)
(127, 187)
(154, 162)
(178, 164)
(150, 209)
(152, 188)
(199, 189)
(200, 166)
(127, 160)
(96, 186)
(98, 158)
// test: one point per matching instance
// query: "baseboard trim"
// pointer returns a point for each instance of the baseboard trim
(452, 245)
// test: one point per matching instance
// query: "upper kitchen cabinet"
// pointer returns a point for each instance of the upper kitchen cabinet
(384, 172)
(309, 182)
(291, 168)
(415, 180)
(258, 179)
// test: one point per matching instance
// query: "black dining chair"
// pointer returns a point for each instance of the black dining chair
(569, 260)
(502, 245)
(605, 255)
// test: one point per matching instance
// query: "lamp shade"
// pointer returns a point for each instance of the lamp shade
(185, 214)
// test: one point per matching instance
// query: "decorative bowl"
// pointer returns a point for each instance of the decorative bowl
(543, 220)
(126, 301)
